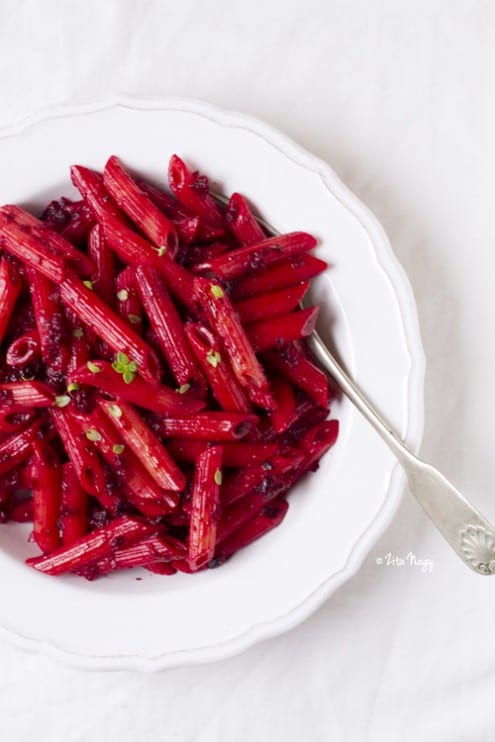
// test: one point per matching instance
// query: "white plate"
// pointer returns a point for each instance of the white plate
(335, 514)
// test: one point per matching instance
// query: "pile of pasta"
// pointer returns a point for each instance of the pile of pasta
(157, 397)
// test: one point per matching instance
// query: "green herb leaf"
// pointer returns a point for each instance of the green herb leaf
(183, 388)
(214, 358)
(122, 295)
(63, 400)
(218, 477)
(78, 332)
(128, 377)
(118, 448)
(93, 435)
(122, 358)
(94, 368)
(132, 367)
(89, 285)
(217, 291)
(73, 387)
(115, 410)
(161, 251)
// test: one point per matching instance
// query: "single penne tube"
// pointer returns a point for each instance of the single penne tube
(168, 327)
(242, 222)
(52, 325)
(73, 508)
(209, 426)
(294, 364)
(18, 447)
(286, 413)
(280, 276)
(272, 304)
(260, 476)
(317, 441)
(260, 256)
(161, 399)
(150, 550)
(138, 206)
(191, 189)
(235, 454)
(46, 497)
(21, 394)
(263, 522)
(145, 445)
(224, 321)
(126, 299)
(276, 332)
(24, 350)
(103, 258)
(204, 504)
(10, 288)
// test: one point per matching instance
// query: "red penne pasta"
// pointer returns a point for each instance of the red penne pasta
(55, 243)
(222, 318)
(139, 207)
(10, 288)
(223, 384)
(270, 305)
(204, 505)
(74, 507)
(83, 456)
(241, 221)
(104, 260)
(286, 413)
(191, 189)
(92, 547)
(189, 226)
(160, 399)
(26, 394)
(17, 448)
(276, 332)
(90, 185)
(167, 324)
(93, 312)
(294, 365)
(24, 350)
(90, 421)
(317, 441)
(280, 276)
(139, 486)
(259, 256)
(46, 498)
(52, 326)
(238, 454)
(208, 426)
(260, 476)
(30, 250)
(148, 449)
(266, 520)
(149, 551)
(127, 301)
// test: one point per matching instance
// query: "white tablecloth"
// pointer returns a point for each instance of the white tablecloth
(399, 98)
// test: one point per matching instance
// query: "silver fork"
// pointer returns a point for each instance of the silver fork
(467, 531)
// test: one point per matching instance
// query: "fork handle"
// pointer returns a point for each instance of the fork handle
(467, 531)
